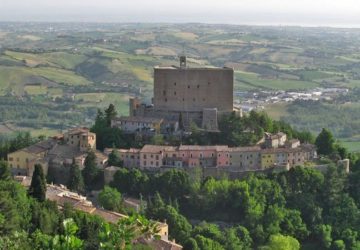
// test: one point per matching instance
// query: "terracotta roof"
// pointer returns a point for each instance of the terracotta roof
(85, 208)
(156, 149)
(160, 244)
(76, 131)
(40, 147)
(109, 216)
(246, 149)
(107, 151)
(197, 147)
(60, 151)
(100, 155)
(131, 150)
(281, 150)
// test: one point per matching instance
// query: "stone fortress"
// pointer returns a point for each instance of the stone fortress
(189, 95)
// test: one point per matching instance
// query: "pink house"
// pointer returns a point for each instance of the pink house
(205, 156)
(152, 156)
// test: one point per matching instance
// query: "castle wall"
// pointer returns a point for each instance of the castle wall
(193, 89)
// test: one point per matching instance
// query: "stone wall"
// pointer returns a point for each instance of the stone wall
(193, 89)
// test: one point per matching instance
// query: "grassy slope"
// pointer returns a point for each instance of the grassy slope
(255, 81)
(102, 100)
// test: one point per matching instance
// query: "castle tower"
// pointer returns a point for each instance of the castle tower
(182, 61)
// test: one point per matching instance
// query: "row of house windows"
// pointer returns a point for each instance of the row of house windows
(152, 156)
(151, 163)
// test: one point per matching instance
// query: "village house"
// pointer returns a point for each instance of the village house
(57, 152)
(152, 156)
(275, 151)
(245, 158)
(135, 124)
(275, 140)
(22, 162)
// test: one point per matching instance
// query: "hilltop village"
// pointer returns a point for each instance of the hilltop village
(184, 98)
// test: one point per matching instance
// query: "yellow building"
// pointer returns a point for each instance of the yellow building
(268, 159)
(22, 162)
(82, 138)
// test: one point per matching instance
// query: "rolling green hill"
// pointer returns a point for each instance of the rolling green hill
(76, 69)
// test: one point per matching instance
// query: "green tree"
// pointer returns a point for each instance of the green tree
(90, 170)
(38, 184)
(110, 114)
(231, 241)
(15, 241)
(5, 173)
(244, 236)
(350, 238)
(40, 240)
(281, 242)
(121, 235)
(15, 212)
(174, 184)
(110, 199)
(325, 142)
(206, 243)
(191, 244)
(338, 245)
(158, 140)
(132, 181)
(45, 217)
(115, 159)
(68, 241)
(323, 233)
(208, 230)
(76, 181)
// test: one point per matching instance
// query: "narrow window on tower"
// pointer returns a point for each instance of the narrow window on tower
(164, 92)
(174, 92)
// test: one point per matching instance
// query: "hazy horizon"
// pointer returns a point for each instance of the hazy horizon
(335, 13)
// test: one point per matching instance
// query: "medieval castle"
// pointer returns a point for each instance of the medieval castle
(189, 95)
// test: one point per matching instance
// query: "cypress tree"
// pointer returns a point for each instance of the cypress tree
(5, 173)
(90, 171)
(76, 181)
(325, 142)
(110, 113)
(38, 184)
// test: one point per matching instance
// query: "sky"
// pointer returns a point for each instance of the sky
(338, 13)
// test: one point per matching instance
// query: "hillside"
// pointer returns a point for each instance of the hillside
(66, 71)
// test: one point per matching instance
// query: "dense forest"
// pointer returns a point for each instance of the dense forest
(29, 221)
(301, 207)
